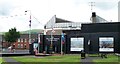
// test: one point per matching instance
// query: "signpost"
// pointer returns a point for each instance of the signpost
(39, 43)
(62, 42)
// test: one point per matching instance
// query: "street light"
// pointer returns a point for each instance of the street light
(30, 46)
(51, 45)
(52, 31)
(29, 27)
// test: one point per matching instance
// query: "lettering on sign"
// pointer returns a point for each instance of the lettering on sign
(54, 39)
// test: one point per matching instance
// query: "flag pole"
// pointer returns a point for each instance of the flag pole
(62, 36)
(38, 42)
(61, 44)
(29, 29)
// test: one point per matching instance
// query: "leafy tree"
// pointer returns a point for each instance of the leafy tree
(11, 36)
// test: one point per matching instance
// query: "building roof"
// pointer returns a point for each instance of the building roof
(57, 23)
(27, 36)
(59, 20)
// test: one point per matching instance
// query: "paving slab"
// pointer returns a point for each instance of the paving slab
(89, 60)
(10, 60)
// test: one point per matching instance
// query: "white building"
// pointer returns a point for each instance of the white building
(58, 25)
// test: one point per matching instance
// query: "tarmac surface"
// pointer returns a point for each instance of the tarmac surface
(10, 60)
(89, 60)
(15, 51)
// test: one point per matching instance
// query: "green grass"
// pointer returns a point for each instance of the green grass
(33, 31)
(1, 60)
(64, 58)
(111, 59)
(93, 55)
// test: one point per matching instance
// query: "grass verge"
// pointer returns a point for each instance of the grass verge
(50, 59)
(111, 59)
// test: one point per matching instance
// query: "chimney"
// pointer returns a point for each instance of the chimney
(94, 17)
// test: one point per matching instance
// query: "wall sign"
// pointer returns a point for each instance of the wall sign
(54, 39)
(77, 44)
(106, 44)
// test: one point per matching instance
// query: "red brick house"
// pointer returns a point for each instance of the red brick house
(22, 42)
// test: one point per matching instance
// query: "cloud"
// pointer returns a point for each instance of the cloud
(6, 7)
(43, 10)
(106, 5)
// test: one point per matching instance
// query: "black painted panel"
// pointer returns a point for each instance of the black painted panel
(100, 27)
(94, 38)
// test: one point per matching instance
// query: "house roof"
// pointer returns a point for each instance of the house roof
(27, 36)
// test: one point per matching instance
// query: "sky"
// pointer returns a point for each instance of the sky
(12, 12)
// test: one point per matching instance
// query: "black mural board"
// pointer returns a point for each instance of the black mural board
(93, 32)
(56, 42)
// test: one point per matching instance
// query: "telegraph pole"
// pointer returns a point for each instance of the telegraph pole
(39, 41)
(51, 45)
(29, 29)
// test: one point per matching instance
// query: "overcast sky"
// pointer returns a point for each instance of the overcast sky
(12, 12)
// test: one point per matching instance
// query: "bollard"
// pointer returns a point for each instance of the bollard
(83, 54)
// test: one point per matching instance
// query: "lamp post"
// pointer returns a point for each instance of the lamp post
(29, 30)
(61, 44)
(51, 44)
(29, 27)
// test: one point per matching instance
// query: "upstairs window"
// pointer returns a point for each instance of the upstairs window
(18, 40)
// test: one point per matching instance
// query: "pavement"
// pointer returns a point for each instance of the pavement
(9, 60)
(89, 60)
(16, 51)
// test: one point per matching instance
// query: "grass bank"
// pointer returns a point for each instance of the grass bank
(50, 59)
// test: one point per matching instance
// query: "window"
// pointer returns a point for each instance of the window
(25, 46)
(19, 46)
(25, 40)
(18, 40)
(21, 40)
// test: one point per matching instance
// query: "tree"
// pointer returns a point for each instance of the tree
(11, 36)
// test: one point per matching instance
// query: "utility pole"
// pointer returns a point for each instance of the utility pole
(52, 31)
(29, 29)
(51, 44)
(39, 41)
(61, 43)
